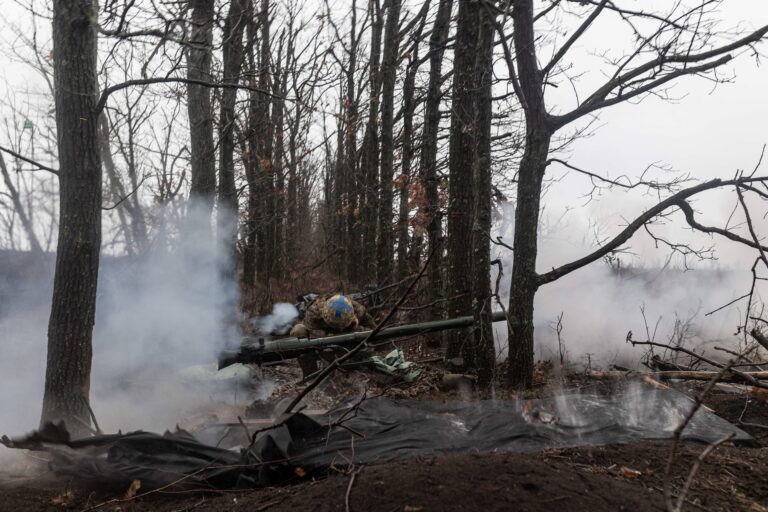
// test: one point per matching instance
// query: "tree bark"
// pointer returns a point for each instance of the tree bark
(530, 175)
(460, 161)
(264, 233)
(203, 157)
(482, 355)
(409, 90)
(348, 190)
(428, 161)
(370, 150)
(278, 115)
(232, 58)
(250, 158)
(73, 306)
(384, 240)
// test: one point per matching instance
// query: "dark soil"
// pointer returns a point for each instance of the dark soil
(615, 477)
(626, 477)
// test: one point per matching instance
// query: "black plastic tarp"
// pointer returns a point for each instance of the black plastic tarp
(380, 430)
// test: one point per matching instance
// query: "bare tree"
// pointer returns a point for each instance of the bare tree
(681, 46)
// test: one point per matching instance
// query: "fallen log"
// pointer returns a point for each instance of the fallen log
(680, 375)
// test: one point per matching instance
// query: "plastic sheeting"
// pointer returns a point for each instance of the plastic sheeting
(383, 430)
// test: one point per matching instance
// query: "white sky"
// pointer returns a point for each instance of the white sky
(708, 133)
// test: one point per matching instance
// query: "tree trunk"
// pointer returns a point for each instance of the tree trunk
(73, 307)
(348, 189)
(460, 161)
(203, 157)
(409, 88)
(384, 240)
(265, 240)
(291, 234)
(428, 161)
(250, 159)
(115, 184)
(34, 243)
(530, 175)
(370, 151)
(278, 114)
(232, 50)
(483, 353)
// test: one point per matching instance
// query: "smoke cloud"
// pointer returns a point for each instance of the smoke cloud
(161, 320)
(279, 321)
(601, 303)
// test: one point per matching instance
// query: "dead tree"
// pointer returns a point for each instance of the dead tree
(682, 45)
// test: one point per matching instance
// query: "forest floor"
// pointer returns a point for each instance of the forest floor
(612, 477)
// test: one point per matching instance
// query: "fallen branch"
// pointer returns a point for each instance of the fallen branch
(731, 376)
(743, 375)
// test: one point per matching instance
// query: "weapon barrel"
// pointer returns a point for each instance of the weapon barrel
(259, 350)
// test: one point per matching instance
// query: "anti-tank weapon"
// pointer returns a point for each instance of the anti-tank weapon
(260, 350)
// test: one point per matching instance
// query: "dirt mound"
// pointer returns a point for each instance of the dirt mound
(618, 477)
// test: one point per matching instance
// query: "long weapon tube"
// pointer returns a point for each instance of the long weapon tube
(260, 350)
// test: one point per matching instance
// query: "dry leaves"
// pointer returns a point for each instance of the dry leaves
(132, 490)
(629, 472)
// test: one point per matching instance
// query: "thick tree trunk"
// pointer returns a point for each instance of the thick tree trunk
(73, 307)
(384, 240)
(483, 353)
(530, 175)
(460, 161)
(203, 157)
(428, 161)
(232, 49)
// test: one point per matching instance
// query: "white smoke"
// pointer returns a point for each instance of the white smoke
(161, 320)
(601, 304)
(281, 319)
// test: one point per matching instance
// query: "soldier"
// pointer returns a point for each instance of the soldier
(336, 314)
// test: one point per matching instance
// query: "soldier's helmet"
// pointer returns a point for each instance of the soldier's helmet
(338, 312)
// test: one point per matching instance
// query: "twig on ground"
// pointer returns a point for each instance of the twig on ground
(677, 434)
(349, 490)
(695, 469)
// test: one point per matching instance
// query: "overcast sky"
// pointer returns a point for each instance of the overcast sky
(710, 132)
